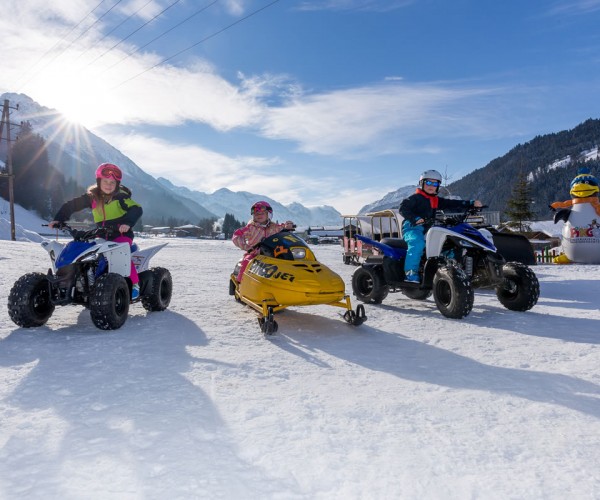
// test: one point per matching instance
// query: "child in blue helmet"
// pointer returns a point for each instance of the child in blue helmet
(418, 211)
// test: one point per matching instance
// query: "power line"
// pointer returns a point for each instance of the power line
(57, 43)
(134, 32)
(93, 24)
(116, 28)
(198, 43)
(163, 34)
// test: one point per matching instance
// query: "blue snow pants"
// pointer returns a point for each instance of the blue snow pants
(415, 239)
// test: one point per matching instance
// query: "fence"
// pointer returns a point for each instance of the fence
(545, 256)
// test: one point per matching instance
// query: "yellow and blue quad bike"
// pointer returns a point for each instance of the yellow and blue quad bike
(286, 273)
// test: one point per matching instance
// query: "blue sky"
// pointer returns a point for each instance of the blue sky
(332, 102)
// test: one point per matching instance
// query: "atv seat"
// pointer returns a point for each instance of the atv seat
(395, 243)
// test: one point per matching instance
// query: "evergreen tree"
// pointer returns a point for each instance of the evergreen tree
(230, 224)
(38, 185)
(206, 226)
(519, 204)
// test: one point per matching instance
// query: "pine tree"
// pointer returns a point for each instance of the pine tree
(230, 224)
(519, 204)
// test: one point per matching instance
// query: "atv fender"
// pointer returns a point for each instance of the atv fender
(514, 248)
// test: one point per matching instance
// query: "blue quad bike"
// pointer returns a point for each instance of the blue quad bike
(458, 259)
(93, 272)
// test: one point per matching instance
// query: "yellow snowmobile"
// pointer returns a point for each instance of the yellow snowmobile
(286, 273)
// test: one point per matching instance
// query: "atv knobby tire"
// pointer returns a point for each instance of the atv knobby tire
(29, 302)
(109, 302)
(159, 297)
(520, 289)
(369, 286)
(452, 292)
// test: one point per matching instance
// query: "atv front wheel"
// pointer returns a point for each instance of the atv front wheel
(520, 289)
(29, 302)
(159, 297)
(369, 286)
(109, 302)
(452, 292)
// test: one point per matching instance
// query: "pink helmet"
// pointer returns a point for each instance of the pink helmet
(109, 171)
(261, 205)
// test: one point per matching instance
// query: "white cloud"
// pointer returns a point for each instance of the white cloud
(382, 119)
(206, 171)
(575, 7)
(348, 121)
(361, 5)
(189, 164)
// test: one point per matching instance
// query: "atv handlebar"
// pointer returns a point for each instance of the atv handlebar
(442, 219)
(105, 232)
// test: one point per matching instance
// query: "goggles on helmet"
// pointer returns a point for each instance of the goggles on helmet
(109, 171)
(261, 207)
(429, 182)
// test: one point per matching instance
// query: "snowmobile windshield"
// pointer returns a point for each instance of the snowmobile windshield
(286, 246)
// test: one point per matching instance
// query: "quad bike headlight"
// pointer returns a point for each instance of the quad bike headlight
(92, 257)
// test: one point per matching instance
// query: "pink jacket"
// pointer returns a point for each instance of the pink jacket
(252, 234)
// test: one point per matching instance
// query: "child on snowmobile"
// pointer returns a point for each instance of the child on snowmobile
(110, 203)
(258, 228)
(418, 211)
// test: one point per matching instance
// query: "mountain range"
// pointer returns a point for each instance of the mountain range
(549, 162)
(75, 151)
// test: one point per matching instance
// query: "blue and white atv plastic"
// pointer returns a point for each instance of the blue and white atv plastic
(458, 258)
(92, 272)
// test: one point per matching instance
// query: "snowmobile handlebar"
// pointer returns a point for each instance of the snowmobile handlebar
(259, 244)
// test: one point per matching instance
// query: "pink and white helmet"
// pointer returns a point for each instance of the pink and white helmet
(109, 171)
(262, 206)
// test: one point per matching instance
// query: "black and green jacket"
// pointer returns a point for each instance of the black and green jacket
(118, 209)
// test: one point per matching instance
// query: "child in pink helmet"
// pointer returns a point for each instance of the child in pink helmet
(111, 205)
(258, 228)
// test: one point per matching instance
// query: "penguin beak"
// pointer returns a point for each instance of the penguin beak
(583, 190)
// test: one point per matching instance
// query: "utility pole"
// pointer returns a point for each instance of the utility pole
(9, 174)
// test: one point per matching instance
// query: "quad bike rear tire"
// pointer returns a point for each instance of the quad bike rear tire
(369, 285)
(109, 302)
(161, 290)
(520, 289)
(452, 292)
(29, 303)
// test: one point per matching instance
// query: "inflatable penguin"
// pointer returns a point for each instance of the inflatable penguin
(581, 214)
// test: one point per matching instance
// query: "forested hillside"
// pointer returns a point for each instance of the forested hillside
(540, 160)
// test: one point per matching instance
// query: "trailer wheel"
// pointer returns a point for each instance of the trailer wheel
(520, 289)
(369, 286)
(29, 302)
(452, 292)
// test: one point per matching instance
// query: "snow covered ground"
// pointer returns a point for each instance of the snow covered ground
(194, 403)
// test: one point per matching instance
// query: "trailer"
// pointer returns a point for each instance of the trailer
(374, 225)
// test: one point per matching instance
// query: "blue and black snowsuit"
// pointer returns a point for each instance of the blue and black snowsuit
(422, 206)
